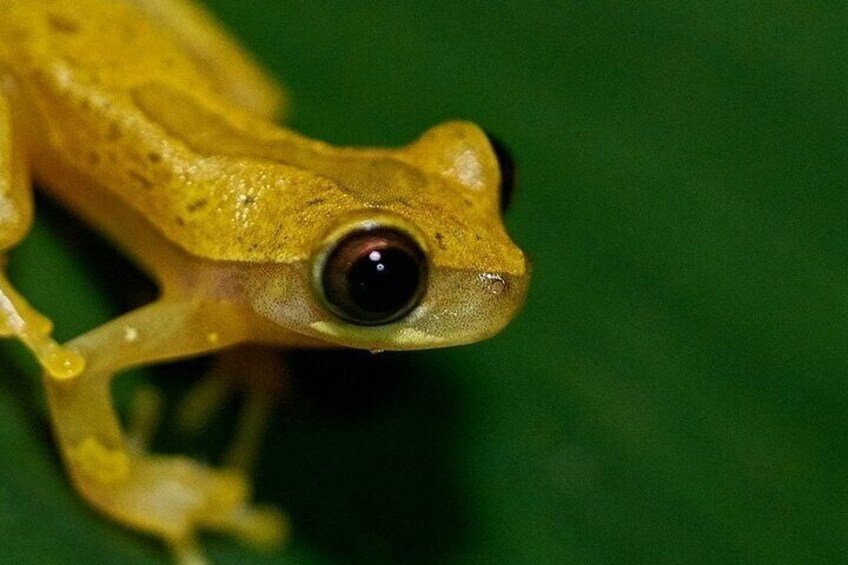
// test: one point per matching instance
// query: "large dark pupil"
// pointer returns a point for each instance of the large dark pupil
(383, 280)
(374, 276)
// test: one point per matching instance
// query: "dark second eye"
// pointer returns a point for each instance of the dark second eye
(374, 277)
(507, 166)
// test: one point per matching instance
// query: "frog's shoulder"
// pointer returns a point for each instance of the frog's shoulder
(70, 59)
(235, 187)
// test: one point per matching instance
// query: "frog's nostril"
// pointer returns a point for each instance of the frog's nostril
(493, 283)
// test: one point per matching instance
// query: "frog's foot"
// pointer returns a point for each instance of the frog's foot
(19, 319)
(261, 526)
(173, 498)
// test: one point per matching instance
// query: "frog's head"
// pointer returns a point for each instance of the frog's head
(412, 253)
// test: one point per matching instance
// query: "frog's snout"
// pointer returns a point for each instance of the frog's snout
(509, 289)
(495, 284)
(477, 306)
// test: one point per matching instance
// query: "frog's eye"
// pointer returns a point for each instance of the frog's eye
(374, 276)
(507, 166)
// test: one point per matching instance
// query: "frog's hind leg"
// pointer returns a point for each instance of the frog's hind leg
(206, 397)
(144, 419)
(260, 375)
(17, 317)
(240, 78)
(250, 430)
(171, 497)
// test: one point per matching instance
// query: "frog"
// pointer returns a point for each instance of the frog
(149, 122)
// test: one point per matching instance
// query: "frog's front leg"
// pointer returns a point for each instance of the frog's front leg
(17, 317)
(169, 497)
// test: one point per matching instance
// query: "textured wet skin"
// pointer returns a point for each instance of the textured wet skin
(676, 375)
(177, 160)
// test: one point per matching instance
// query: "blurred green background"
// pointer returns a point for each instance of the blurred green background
(674, 391)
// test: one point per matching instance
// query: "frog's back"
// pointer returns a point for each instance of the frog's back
(110, 43)
(78, 65)
(95, 33)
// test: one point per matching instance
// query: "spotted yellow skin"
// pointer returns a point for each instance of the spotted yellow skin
(144, 118)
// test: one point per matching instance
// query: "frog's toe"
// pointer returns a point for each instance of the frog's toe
(19, 319)
(174, 498)
(262, 526)
(186, 552)
(225, 509)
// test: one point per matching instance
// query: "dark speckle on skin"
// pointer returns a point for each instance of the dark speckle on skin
(197, 205)
(440, 241)
(247, 200)
(130, 33)
(315, 202)
(62, 24)
(18, 35)
(154, 157)
(144, 181)
(114, 133)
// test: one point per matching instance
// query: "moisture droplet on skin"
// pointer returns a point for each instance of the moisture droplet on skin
(130, 334)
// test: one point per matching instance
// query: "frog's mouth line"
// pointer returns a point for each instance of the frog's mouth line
(383, 338)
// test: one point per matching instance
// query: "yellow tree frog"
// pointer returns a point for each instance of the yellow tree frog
(145, 119)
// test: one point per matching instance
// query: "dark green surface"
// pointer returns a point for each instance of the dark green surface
(674, 391)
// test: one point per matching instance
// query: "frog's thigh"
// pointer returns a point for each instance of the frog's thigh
(17, 318)
(239, 77)
(170, 497)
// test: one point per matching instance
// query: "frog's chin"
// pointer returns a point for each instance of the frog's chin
(401, 338)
